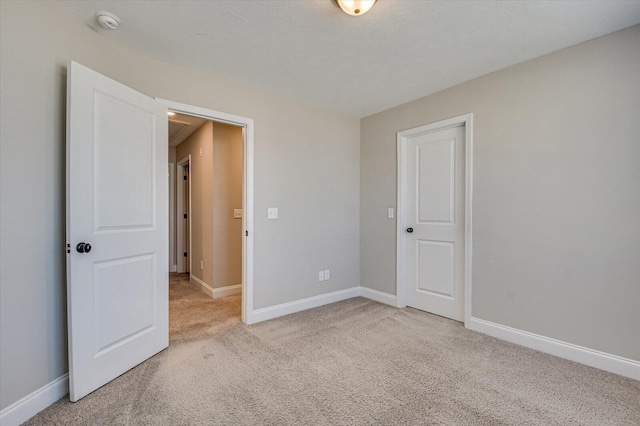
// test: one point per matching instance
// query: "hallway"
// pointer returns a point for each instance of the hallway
(194, 315)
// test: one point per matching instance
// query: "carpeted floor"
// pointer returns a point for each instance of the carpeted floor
(355, 362)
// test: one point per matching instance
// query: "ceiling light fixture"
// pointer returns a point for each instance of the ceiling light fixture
(355, 7)
(171, 113)
(108, 20)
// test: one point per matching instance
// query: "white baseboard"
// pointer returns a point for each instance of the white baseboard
(378, 296)
(227, 291)
(203, 286)
(271, 312)
(22, 410)
(215, 292)
(593, 358)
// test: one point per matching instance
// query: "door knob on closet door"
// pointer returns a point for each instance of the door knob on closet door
(409, 230)
(83, 248)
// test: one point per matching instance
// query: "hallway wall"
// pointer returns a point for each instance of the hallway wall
(201, 177)
(227, 196)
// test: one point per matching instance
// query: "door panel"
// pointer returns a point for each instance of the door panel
(436, 261)
(435, 212)
(117, 293)
(124, 172)
(435, 179)
(133, 277)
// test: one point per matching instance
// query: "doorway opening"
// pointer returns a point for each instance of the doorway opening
(123, 212)
(210, 259)
(208, 253)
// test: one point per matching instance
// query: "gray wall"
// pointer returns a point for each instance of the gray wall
(556, 226)
(306, 163)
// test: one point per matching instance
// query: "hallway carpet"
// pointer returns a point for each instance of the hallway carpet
(355, 362)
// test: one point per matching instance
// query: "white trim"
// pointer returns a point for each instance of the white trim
(227, 291)
(248, 190)
(202, 285)
(276, 311)
(379, 296)
(271, 312)
(22, 410)
(402, 163)
(468, 217)
(591, 357)
(174, 268)
(401, 273)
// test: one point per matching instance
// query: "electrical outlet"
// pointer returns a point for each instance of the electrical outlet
(272, 213)
(327, 274)
(202, 265)
(321, 276)
(200, 152)
(237, 213)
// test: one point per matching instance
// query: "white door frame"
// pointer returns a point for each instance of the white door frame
(247, 201)
(181, 231)
(401, 236)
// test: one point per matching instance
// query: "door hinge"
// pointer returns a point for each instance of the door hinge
(246, 233)
(68, 248)
(185, 254)
(185, 215)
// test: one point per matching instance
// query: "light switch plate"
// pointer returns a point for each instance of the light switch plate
(237, 213)
(327, 274)
(390, 213)
(321, 276)
(272, 213)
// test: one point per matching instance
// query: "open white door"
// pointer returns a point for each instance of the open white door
(117, 289)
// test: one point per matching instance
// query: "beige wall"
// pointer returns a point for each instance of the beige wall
(306, 163)
(556, 230)
(201, 176)
(227, 196)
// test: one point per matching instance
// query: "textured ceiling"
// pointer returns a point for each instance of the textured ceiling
(399, 51)
(182, 126)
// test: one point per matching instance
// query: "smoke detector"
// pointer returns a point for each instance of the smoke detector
(107, 20)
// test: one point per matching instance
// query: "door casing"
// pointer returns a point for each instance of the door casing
(402, 197)
(247, 192)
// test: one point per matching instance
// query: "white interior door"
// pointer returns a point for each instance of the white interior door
(117, 291)
(435, 221)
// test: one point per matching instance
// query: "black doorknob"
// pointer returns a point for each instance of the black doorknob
(83, 247)
(409, 230)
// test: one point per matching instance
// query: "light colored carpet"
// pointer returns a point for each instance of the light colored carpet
(355, 362)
